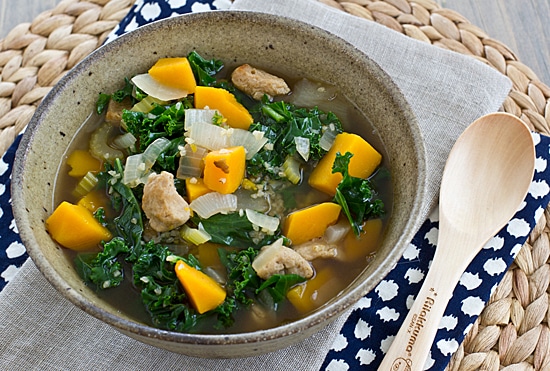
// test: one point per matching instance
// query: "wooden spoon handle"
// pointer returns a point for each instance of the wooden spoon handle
(412, 343)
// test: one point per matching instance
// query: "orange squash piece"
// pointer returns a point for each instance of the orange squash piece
(313, 293)
(174, 72)
(74, 227)
(311, 222)
(236, 114)
(359, 247)
(204, 293)
(208, 255)
(224, 169)
(81, 162)
(363, 163)
(195, 188)
(93, 200)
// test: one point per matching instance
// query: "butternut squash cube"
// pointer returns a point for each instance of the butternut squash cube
(311, 222)
(363, 163)
(81, 162)
(195, 188)
(174, 72)
(359, 247)
(204, 293)
(313, 293)
(224, 169)
(74, 227)
(236, 114)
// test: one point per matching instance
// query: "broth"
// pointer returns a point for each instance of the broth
(336, 274)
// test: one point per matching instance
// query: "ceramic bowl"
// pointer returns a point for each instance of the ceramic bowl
(273, 42)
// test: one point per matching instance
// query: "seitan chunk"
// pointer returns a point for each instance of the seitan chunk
(114, 110)
(256, 82)
(317, 248)
(162, 204)
(279, 259)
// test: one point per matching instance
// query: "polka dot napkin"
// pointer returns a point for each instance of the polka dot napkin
(369, 330)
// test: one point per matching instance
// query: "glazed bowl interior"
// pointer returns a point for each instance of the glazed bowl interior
(272, 42)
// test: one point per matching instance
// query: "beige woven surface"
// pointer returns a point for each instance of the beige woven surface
(513, 331)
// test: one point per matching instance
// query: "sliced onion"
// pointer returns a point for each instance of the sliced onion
(157, 90)
(214, 203)
(251, 141)
(138, 166)
(245, 200)
(153, 151)
(126, 140)
(265, 222)
(133, 170)
(291, 169)
(209, 136)
(327, 139)
(202, 116)
(302, 147)
(307, 93)
(337, 232)
(191, 163)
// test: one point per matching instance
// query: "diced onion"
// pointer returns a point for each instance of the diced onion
(265, 222)
(133, 170)
(202, 116)
(153, 151)
(302, 147)
(291, 170)
(245, 200)
(213, 203)
(326, 140)
(126, 140)
(194, 236)
(337, 232)
(155, 89)
(138, 167)
(191, 164)
(251, 141)
(209, 136)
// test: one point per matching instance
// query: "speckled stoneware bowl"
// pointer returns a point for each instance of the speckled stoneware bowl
(268, 41)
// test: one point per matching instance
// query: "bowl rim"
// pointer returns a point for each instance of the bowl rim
(322, 315)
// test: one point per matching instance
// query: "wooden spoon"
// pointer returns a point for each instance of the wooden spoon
(486, 178)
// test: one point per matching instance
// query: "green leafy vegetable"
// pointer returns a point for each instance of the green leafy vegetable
(355, 195)
(102, 103)
(104, 268)
(279, 284)
(281, 122)
(162, 121)
(204, 69)
(233, 230)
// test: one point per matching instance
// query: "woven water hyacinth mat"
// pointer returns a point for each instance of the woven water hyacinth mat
(513, 330)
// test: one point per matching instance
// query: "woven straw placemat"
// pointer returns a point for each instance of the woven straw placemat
(513, 331)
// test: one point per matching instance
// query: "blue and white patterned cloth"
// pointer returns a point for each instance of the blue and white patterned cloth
(370, 328)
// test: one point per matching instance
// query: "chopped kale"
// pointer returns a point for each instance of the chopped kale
(355, 195)
(281, 122)
(233, 230)
(204, 69)
(103, 269)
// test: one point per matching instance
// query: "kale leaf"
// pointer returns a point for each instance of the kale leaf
(281, 122)
(233, 230)
(242, 278)
(204, 69)
(162, 121)
(279, 284)
(104, 268)
(355, 195)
